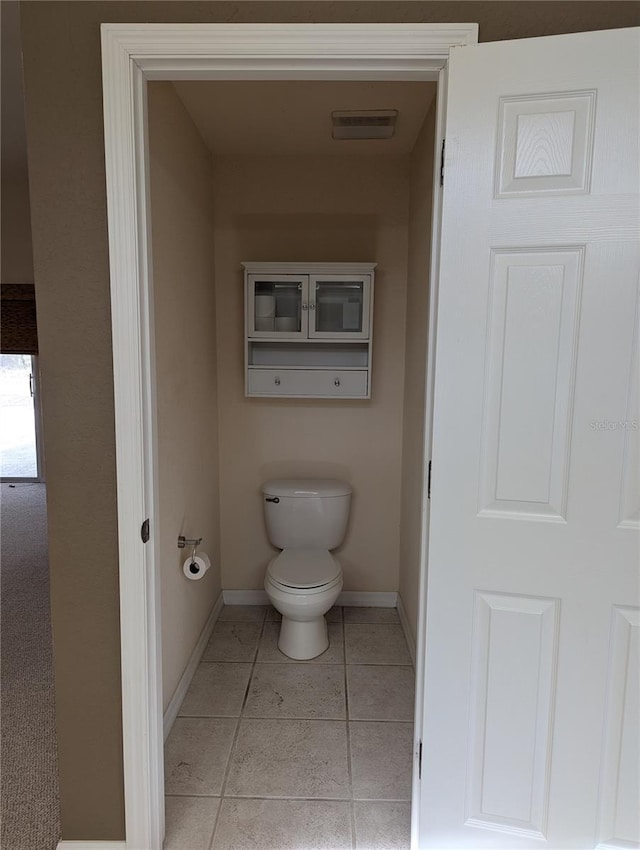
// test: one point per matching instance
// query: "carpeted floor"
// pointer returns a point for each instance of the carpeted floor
(29, 788)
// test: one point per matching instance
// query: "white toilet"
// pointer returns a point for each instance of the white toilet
(305, 518)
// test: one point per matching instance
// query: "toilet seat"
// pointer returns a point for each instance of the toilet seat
(301, 593)
(304, 570)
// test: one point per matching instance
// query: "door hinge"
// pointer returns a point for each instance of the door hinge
(429, 482)
(144, 531)
(420, 761)
(442, 164)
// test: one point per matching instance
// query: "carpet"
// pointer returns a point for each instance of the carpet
(29, 764)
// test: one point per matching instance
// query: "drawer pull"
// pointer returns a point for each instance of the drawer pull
(336, 383)
(276, 381)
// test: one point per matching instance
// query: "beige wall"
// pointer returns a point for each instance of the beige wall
(17, 260)
(17, 256)
(186, 373)
(306, 209)
(415, 365)
(61, 44)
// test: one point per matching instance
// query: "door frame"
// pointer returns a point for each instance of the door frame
(133, 54)
(37, 414)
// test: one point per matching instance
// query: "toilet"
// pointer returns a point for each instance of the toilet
(306, 518)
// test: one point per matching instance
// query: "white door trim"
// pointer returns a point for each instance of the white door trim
(131, 55)
(434, 272)
(37, 412)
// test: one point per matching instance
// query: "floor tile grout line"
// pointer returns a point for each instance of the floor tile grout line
(300, 663)
(318, 663)
(253, 664)
(194, 794)
(371, 623)
(348, 736)
(321, 799)
(236, 735)
(396, 624)
(295, 799)
(287, 719)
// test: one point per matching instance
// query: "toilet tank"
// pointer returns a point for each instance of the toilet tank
(306, 513)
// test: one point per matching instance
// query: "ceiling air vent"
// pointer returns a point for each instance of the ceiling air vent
(364, 124)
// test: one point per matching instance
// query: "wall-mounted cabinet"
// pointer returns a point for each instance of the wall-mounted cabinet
(308, 329)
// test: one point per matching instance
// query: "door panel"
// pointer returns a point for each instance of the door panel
(545, 144)
(532, 338)
(512, 700)
(533, 603)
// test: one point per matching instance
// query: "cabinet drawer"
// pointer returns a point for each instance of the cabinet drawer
(323, 383)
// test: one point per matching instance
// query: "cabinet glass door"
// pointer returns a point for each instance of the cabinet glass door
(339, 306)
(276, 306)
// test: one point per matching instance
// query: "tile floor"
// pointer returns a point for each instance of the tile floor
(273, 754)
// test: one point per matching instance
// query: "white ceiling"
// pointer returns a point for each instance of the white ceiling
(293, 117)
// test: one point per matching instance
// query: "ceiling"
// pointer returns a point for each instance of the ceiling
(293, 117)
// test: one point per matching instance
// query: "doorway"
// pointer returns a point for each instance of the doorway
(278, 194)
(132, 55)
(19, 418)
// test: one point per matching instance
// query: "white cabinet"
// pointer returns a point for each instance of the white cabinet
(308, 329)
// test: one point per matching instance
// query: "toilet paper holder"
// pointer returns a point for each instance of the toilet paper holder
(194, 542)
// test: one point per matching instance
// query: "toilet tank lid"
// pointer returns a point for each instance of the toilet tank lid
(321, 488)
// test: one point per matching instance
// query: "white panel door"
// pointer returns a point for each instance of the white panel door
(530, 733)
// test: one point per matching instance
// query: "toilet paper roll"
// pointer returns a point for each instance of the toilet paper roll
(265, 324)
(196, 566)
(286, 323)
(265, 306)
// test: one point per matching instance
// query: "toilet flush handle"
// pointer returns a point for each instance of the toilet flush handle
(272, 499)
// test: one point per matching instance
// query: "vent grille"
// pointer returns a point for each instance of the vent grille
(362, 121)
(364, 124)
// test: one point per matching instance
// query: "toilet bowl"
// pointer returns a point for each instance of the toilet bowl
(305, 518)
(303, 632)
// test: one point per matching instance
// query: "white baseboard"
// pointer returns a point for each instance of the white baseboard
(185, 680)
(91, 845)
(406, 628)
(353, 598)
